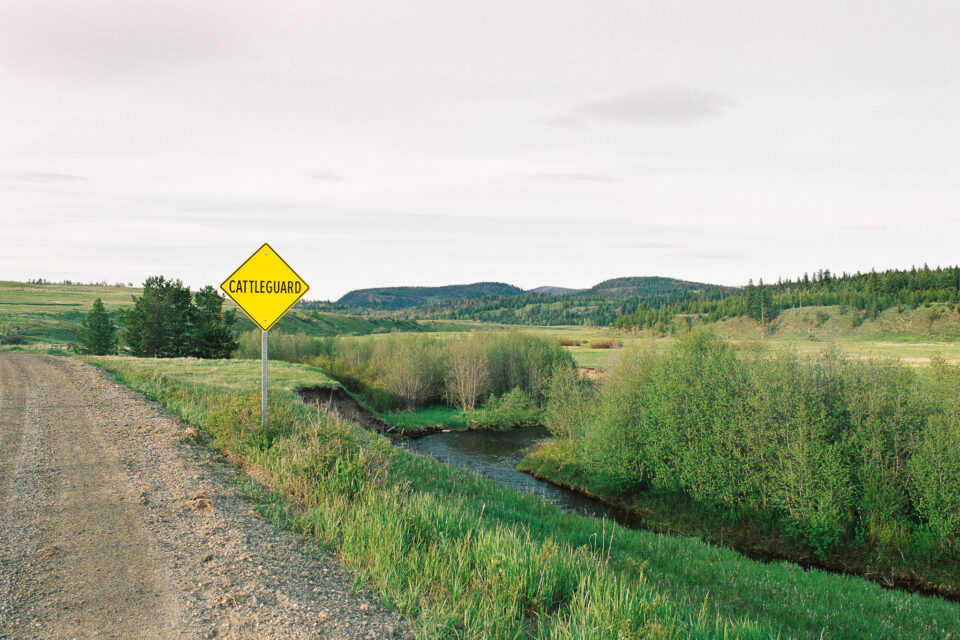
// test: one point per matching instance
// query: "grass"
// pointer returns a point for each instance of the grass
(228, 375)
(463, 557)
(678, 514)
(909, 336)
(53, 313)
(440, 415)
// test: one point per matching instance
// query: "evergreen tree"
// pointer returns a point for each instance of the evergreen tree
(99, 335)
(210, 332)
(157, 325)
(752, 308)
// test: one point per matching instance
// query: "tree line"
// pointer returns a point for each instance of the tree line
(869, 293)
(166, 321)
(659, 308)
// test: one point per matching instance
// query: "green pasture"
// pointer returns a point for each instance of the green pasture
(231, 375)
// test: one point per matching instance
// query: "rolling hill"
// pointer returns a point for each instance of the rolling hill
(647, 286)
(560, 291)
(389, 298)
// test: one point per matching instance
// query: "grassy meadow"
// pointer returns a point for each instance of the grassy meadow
(463, 557)
(910, 335)
(52, 314)
(228, 375)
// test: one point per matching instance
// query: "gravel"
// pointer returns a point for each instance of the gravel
(114, 525)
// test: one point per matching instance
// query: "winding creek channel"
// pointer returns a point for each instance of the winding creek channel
(495, 455)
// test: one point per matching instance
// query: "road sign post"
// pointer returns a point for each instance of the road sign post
(263, 378)
(265, 288)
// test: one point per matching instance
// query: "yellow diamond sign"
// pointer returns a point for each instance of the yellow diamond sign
(265, 287)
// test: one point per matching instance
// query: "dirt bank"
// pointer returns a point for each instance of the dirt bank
(336, 400)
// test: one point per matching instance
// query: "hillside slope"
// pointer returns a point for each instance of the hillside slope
(386, 298)
(643, 286)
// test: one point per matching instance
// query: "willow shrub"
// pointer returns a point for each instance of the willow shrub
(406, 371)
(833, 449)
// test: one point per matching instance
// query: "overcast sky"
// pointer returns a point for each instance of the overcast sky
(427, 143)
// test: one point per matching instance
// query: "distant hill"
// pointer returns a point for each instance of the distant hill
(647, 286)
(559, 291)
(389, 298)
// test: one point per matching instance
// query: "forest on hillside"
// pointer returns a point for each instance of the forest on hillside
(656, 303)
(868, 293)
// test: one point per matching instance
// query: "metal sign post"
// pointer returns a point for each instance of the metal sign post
(263, 379)
(265, 287)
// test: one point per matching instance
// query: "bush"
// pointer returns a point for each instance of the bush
(833, 449)
(569, 401)
(417, 370)
(514, 408)
(570, 342)
(604, 343)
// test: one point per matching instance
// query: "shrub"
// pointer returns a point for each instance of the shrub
(295, 347)
(820, 318)
(934, 474)
(569, 403)
(514, 408)
(570, 342)
(833, 449)
(467, 375)
(604, 343)
(411, 367)
(423, 369)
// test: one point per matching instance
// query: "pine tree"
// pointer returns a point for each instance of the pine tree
(210, 333)
(99, 335)
(156, 326)
(752, 301)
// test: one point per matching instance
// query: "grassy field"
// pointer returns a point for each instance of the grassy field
(911, 336)
(463, 557)
(52, 314)
(441, 415)
(229, 375)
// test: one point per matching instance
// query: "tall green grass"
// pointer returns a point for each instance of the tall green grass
(463, 557)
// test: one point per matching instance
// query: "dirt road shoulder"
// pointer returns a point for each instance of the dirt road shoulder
(113, 523)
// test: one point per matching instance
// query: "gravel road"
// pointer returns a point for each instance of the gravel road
(113, 525)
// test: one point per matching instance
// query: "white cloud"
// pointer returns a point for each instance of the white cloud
(385, 143)
(671, 105)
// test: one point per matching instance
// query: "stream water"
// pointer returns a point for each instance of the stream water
(495, 454)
